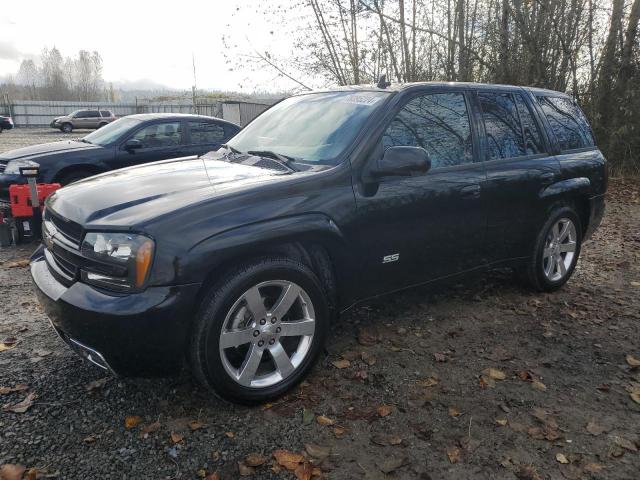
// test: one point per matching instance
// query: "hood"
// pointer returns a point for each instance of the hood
(132, 196)
(46, 149)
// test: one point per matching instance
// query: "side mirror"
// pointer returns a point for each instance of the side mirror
(132, 144)
(401, 161)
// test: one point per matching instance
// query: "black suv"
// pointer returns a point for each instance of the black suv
(239, 259)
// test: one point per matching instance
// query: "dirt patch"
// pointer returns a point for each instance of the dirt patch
(481, 379)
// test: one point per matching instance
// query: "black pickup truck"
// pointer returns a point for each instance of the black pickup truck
(239, 259)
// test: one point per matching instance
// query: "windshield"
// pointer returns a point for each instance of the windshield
(111, 132)
(315, 127)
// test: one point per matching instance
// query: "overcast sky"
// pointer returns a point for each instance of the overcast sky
(148, 40)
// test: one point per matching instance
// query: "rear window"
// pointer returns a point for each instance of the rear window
(567, 122)
(206, 132)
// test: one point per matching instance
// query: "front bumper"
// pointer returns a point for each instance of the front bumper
(141, 334)
(55, 124)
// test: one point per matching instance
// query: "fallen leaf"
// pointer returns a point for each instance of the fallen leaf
(429, 382)
(392, 463)
(528, 472)
(255, 460)
(304, 471)
(131, 421)
(501, 421)
(22, 406)
(625, 443)
(454, 454)
(368, 336)
(340, 364)
(8, 343)
(454, 412)
(632, 361)
(229, 434)
(494, 373)
(195, 425)
(317, 451)
(18, 263)
(150, 428)
(245, 470)
(322, 420)
(594, 429)
(368, 358)
(96, 384)
(339, 432)
(176, 437)
(593, 467)
(10, 471)
(90, 439)
(384, 410)
(440, 357)
(635, 395)
(486, 381)
(307, 416)
(213, 476)
(538, 385)
(560, 457)
(18, 388)
(287, 459)
(384, 440)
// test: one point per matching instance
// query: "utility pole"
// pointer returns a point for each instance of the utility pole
(193, 89)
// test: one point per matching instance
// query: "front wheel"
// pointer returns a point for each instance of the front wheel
(259, 330)
(556, 251)
(67, 128)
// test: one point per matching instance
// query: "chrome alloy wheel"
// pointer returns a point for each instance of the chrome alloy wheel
(267, 333)
(559, 249)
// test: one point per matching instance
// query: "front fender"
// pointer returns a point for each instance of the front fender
(262, 237)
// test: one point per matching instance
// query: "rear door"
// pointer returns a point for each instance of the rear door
(207, 135)
(519, 162)
(160, 141)
(418, 228)
(81, 119)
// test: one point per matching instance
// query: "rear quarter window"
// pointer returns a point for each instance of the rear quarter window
(567, 122)
(106, 113)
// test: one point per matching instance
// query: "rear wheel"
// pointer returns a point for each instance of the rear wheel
(259, 331)
(66, 128)
(556, 251)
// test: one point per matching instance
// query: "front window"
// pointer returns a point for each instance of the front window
(315, 127)
(112, 132)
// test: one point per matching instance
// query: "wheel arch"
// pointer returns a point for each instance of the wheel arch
(572, 192)
(313, 239)
(78, 167)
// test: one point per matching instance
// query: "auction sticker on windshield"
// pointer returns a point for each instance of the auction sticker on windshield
(361, 99)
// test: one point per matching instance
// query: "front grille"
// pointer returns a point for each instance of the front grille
(70, 230)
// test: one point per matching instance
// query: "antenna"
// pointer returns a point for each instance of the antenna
(194, 88)
(382, 82)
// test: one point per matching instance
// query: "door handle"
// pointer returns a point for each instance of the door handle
(471, 191)
(547, 178)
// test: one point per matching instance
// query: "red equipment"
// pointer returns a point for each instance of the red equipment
(20, 198)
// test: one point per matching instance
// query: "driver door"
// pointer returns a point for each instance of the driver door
(412, 229)
(158, 141)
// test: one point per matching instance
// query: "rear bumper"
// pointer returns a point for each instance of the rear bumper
(142, 334)
(596, 212)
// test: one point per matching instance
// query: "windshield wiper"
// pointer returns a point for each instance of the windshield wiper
(229, 147)
(281, 159)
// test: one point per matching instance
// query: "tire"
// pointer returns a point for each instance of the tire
(231, 303)
(544, 272)
(74, 176)
(66, 128)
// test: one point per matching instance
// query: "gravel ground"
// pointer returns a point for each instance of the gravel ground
(404, 391)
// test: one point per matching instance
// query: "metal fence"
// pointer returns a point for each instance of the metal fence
(32, 113)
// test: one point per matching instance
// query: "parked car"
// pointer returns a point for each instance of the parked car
(128, 141)
(87, 119)
(241, 258)
(6, 123)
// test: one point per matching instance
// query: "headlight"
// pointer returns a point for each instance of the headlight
(118, 261)
(13, 167)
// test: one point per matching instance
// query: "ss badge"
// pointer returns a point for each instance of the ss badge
(391, 258)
